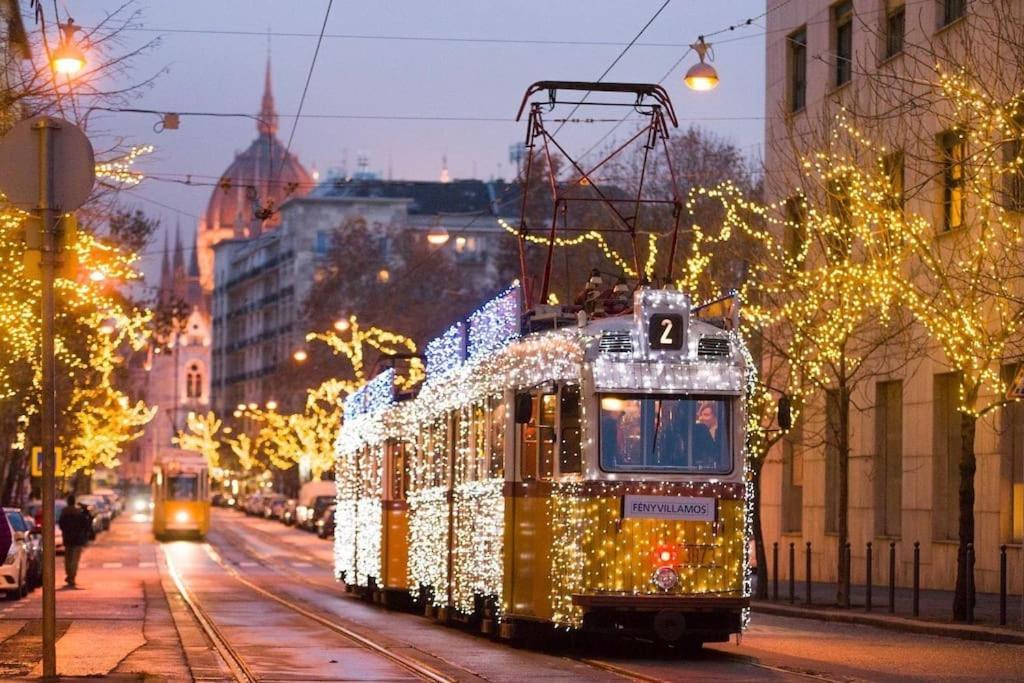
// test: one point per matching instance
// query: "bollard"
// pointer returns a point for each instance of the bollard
(849, 570)
(775, 571)
(807, 573)
(792, 573)
(867, 581)
(1002, 585)
(892, 577)
(970, 583)
(917, 578)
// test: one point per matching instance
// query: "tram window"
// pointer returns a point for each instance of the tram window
(537, 439)
(686, 435)
(497, 446)
(182, 487)
(569, 452)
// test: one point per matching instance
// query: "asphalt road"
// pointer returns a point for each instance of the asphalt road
(297, 565)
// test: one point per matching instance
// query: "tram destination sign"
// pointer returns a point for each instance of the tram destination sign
(668, 507)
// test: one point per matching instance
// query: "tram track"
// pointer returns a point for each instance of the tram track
(240, 670)
(616, 668)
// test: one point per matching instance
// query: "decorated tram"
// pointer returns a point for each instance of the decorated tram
(556, 470)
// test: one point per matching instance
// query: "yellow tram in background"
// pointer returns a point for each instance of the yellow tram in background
(181, 497)
(591, 475)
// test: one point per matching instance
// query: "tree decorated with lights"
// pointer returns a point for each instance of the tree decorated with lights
(203, 436)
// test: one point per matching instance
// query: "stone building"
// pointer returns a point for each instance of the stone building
(262, 283)
(903, 469)
(244, 206)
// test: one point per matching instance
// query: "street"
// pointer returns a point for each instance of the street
(264, 594)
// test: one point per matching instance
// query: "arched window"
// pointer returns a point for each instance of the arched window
(194, 381)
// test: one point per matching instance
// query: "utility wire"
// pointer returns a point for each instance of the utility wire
(614, 62)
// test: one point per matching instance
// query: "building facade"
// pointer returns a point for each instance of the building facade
(903, 471)
(262, 284)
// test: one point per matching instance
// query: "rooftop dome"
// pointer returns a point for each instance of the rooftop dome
(258, 181)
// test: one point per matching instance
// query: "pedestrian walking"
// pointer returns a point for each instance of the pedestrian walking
(75, 525)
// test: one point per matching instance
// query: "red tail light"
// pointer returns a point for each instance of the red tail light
(665, 555)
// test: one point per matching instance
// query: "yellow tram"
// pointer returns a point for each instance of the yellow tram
(181, 497)
(591, 475)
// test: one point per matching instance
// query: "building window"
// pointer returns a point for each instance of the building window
(322, 242)
(895, 27)
(798, 69)
(795, 230)
(1013, 159)
(842, 32)
(194, 382)
(792, 483)
(1011, 440)
(888, 469)
(892, 166)
(953, 154)
(952, 10)
(946, 449)
(832, 426)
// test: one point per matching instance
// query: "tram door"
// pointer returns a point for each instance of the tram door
(536, 451)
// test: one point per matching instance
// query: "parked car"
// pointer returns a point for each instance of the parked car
(25, 529)
(254, 504)
(325, 525)
(14, 575)
(314, 497)
(288, 514)
(273, 507)
(34, 511)
(99, 509)
(115, 499)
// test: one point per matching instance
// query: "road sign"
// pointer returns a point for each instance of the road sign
(72, 164)
(37, 460)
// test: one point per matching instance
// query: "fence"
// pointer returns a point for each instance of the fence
(869, 583)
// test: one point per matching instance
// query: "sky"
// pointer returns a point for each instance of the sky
(211, 56)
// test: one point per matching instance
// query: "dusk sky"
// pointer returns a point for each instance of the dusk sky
(368, 69)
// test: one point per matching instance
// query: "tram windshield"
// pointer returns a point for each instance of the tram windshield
(678, 435)
(183, 487)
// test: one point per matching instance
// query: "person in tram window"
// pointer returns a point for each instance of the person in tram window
(706, 437)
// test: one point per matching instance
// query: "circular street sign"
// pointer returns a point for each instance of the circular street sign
(72, 165)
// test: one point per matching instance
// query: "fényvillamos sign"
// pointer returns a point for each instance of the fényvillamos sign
(668, 507)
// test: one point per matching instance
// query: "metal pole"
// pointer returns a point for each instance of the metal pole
(47, 410)
(792, 573)
(917, 578)
(892, 577)
(1002, 585)
(775, 571)
(848, 564)
(868, 579)
(807, 573)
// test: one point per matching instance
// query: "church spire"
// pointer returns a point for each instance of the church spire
(165, 268)
(267, 124)
(179, 253)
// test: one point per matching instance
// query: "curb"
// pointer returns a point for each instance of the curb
(962, 631)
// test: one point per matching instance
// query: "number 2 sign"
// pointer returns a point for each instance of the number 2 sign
(665, 331)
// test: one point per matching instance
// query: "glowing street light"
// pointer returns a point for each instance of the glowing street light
(271, 405)
(68, 58)
(701, 76)
(300, 356)
(438, 236)
(341, 324)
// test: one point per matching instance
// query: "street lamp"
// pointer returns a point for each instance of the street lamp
(701, 76)
(271, 405)
(300, 356)
(68, 58)
(437, 236)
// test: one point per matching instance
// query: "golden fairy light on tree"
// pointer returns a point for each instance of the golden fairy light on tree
(202, 437)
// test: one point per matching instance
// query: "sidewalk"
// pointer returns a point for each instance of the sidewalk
(117, 625)
(935, 611)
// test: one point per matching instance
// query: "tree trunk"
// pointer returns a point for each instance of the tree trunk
(843, 465)
(756, 466)
(968, 467)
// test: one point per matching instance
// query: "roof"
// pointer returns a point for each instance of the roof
(427, 197)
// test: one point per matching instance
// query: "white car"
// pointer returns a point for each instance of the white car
(14, 578)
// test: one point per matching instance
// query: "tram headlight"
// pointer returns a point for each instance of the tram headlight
(665, 578)
(181, 516)
(139, 505)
